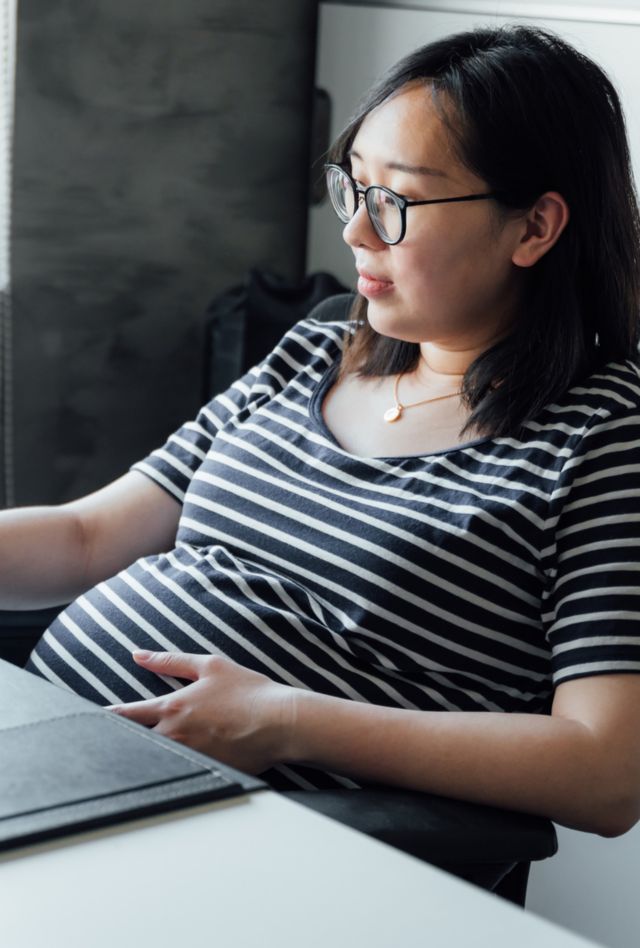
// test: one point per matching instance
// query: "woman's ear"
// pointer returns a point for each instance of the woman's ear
(543, 225)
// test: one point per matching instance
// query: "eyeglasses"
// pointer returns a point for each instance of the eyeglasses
(387, 210)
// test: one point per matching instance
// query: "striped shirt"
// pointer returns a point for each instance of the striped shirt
(476, 578)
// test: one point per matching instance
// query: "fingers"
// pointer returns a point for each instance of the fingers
(153, 712)
(178, 664)
(147, 713)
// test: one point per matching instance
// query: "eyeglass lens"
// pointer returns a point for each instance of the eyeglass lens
(384, 212)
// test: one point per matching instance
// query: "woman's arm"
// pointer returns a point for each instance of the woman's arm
(580, 766)
(49, 555)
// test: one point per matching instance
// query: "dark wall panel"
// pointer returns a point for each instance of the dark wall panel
(161, 150)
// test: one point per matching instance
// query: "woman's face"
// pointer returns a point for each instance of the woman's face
(451, 280)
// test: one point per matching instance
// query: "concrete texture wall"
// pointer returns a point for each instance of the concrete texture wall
(161, 149)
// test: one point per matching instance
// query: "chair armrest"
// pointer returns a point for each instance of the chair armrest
(478, 843)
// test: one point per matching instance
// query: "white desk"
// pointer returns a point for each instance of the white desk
(257, 871)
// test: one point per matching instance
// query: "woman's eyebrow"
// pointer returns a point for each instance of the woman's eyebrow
(401, 166)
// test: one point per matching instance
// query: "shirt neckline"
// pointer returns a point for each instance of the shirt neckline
(315, 413)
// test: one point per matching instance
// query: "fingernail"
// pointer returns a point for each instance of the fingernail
(141, 654)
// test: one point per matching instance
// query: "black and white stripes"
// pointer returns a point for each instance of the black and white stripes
(472, 579)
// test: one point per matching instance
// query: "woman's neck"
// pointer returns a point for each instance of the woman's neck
(439, 360)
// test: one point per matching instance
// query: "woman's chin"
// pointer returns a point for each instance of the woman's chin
(387, 320)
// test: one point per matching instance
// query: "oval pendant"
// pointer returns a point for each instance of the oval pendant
(392, 414)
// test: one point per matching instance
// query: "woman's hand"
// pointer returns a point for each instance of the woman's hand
(236, 715)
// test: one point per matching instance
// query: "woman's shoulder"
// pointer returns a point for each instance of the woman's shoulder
(611, 390)
(309, 346)
(322, 332)
(328, 324)
(604, 405)
(306, 351)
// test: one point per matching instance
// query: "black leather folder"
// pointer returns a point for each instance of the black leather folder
(68, 765)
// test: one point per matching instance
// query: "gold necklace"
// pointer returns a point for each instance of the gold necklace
(395, 413)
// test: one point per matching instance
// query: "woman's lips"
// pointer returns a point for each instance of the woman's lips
(371, 286)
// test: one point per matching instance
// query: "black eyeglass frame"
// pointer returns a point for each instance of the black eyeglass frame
(401, 202)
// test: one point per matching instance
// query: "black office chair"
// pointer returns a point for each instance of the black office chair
(487, 846)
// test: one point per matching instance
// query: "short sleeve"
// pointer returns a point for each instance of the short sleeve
(592, 557)
(173, 465)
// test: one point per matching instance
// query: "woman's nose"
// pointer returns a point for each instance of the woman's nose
(359, 232)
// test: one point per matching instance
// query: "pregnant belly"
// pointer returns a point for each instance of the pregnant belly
(189, 601)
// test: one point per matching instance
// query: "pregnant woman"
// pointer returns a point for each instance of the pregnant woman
(405, 548)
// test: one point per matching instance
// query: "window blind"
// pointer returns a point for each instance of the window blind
(7, 71)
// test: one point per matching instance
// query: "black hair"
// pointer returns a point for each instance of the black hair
(528, 113)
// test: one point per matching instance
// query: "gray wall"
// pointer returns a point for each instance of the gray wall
(161, 149)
